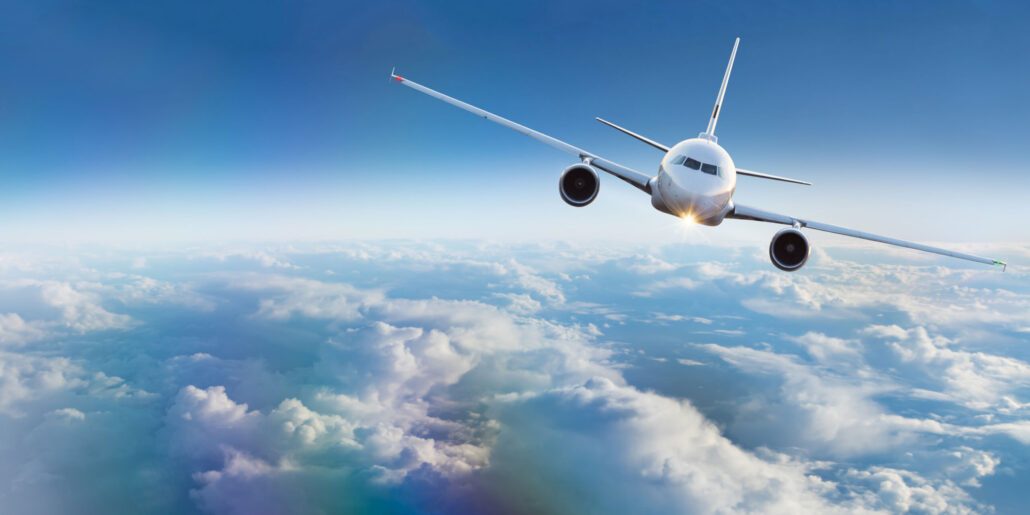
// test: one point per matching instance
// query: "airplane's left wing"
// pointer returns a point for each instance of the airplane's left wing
(750, 213)
(629, 175)
(749, 173)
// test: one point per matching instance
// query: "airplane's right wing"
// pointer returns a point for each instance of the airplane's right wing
(627, 174)
(749, 213)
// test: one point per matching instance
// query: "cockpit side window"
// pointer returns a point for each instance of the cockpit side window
(678, 160)
(710, 169)
(693, 163)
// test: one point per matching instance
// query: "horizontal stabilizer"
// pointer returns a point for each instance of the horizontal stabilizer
(749, 173)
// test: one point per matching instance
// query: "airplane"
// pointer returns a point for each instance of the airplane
(696, 180)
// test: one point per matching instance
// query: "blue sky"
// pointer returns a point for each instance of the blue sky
(192, 121)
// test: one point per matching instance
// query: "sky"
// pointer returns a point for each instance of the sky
(241, 272)
(199, 121)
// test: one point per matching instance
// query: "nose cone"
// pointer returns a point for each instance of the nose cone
(691, 193)
(697, 183)
(697, 179)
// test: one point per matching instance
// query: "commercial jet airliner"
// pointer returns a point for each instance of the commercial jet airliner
(695, 181)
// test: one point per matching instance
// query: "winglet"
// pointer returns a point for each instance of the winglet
(1003, 264)
(394, 76)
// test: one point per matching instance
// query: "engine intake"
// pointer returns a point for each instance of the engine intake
(579, 185)
(789, 250)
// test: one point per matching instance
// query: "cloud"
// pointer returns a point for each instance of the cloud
(278, 388)
(828, 414)
(647, 264)
(137, 290)
(901, 491)
(637, 451)
(265, 258)
(48, 308)
(689, 362)
(975, 379)
(14, 329)
(679, 318)
(286, 297)
(520, 303)
(824, 348)
(28, 378)
(674, 283)
(531, 280)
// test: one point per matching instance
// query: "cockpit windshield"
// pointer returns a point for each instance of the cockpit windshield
(694, 164)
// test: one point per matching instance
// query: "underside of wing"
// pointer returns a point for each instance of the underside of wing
(637, 179)
(741, 212)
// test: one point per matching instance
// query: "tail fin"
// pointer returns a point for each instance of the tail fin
(710, 132)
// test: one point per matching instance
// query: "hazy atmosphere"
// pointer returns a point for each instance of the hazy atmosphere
(242, 272)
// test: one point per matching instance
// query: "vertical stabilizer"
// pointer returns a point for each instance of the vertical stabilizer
(710, 132)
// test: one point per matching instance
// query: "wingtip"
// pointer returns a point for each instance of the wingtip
(394, 76)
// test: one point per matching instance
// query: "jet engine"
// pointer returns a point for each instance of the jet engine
(578, 185)
(789, 250)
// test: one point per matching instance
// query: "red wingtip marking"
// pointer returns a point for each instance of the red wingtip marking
(398, 77)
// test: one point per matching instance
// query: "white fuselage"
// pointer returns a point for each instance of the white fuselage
(695, 181)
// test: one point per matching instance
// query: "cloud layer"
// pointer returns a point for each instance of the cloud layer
(479, 378)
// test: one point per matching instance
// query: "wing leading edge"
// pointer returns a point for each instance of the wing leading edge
(749, 213)
(637, 179)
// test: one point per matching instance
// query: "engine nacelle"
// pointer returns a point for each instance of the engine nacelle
(579, 185)
(789, 250)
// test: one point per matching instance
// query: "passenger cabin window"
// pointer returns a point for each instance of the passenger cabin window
(711, 169)
(693, 163)
(678, 160)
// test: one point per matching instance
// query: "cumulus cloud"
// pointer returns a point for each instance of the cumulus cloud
(902, 491)
(41, 308)
(285, 390)
(638, 451)
(828, 414)
(647, 264)
(976, 379)
(306, 297)
(531, 280)
(28, 378)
